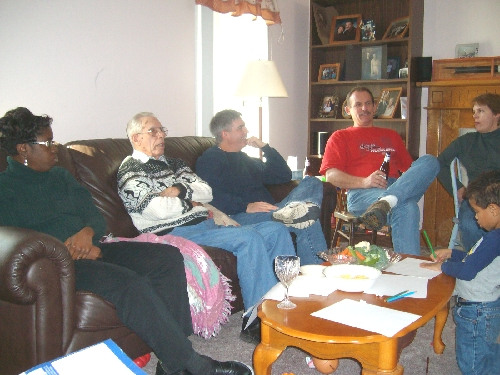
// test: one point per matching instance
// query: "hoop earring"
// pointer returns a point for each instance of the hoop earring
(25, 161)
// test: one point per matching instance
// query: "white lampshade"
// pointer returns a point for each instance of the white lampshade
(261, 79)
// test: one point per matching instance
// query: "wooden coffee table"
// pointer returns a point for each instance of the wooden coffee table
(325, 339)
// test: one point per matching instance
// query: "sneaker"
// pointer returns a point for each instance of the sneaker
(250, 334)
(375, 216)
(298, 215)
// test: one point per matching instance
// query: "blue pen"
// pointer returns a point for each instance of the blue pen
(395, 298)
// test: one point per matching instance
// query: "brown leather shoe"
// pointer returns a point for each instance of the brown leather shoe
(375, 216)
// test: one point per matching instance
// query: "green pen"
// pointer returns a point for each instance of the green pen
(429, 243)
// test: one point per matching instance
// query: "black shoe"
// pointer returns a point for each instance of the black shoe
(252, 333)
(231, 368)
(161, 371)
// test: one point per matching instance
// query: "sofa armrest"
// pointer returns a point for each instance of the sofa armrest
(280, 191)
(37, 296)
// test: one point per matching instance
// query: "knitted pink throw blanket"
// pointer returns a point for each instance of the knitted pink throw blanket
(208, 289)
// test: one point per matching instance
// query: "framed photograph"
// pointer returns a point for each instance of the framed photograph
(329, 73)
(344, 112)
(466, 50)
(329, 106)
(345, 28)
(393, 64)
(397, 29)
(373, 62)
(403, 73)
(368, 31)
(388, 102)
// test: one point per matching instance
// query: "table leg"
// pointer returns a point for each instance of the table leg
(399, 370)
(439, 323)
(387, 360)
(263, 357)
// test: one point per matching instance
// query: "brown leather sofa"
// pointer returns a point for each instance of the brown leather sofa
(41, 316)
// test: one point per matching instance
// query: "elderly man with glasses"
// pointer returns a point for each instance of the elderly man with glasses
(162, 195)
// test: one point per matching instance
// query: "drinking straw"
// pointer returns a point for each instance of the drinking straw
(429, 243)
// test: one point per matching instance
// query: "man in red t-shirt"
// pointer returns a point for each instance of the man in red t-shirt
(352, 161)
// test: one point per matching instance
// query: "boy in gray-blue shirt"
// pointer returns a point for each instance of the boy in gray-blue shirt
(477, 289)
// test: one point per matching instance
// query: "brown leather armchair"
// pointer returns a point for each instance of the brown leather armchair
(41, 316)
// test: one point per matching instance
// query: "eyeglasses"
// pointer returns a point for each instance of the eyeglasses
(45, 143)
(155, 131)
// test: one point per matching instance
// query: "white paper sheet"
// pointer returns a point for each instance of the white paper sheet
(369, 317)
(411, 267)
(390, 285)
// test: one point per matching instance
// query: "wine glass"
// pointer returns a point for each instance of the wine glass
(286, 268)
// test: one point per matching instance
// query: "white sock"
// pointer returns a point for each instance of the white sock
(391, 199)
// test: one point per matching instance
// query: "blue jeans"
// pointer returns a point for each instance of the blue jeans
(404, 218)
(255, 246)
(478, 327)
(310, 240)
(470, 232)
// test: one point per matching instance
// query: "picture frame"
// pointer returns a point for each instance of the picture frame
(368, 31)
(329, 73)
(344, 112)
(466, 50)
(397, 29)
(393, 65)
(329, 106)
(388, 102)
(374, 62)
(345, 28)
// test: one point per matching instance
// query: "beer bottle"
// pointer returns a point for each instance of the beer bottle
(385, 165)
(307, 168)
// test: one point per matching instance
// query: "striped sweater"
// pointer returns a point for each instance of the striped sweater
(141, 180)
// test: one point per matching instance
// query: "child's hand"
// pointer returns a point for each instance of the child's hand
(432, 266)
(441, 255)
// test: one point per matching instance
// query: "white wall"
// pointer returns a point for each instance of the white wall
(288, 116)
(93, 64)
(451, 22)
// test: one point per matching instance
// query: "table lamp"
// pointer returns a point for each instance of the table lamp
(261, 79)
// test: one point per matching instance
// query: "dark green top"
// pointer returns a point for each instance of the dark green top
(477, 152)
(51, 202)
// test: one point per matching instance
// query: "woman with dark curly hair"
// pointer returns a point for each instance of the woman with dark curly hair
(146, 282)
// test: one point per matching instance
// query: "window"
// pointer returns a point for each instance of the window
(224, 46)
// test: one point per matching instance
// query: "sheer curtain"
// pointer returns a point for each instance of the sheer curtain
(267, 9)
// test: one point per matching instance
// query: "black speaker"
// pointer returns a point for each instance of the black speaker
(424, 69)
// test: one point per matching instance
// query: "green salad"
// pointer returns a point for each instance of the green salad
(369, 255)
